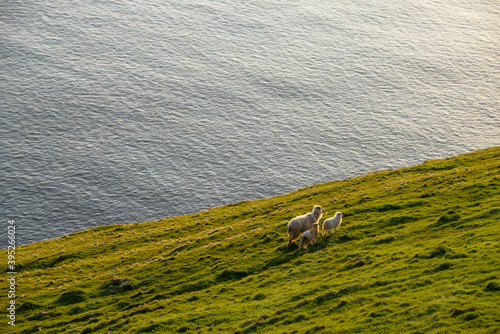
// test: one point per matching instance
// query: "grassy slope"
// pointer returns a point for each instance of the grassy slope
(418, 251)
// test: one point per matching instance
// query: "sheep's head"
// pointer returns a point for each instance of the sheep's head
(339, 214)
(318, 208)
(315, 229)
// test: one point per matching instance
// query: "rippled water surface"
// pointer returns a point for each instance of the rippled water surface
(133, 110)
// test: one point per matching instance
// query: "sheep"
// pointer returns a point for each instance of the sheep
(332, 223)
(309, 236)
(303, 223)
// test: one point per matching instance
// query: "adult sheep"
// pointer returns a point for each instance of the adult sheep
(332, 223)
(309, 236)
(303, 223)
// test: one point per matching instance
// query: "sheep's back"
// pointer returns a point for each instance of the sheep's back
(309, 220)
(332, 222)
(300, 224)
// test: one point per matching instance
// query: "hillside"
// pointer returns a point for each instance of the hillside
(417, 252)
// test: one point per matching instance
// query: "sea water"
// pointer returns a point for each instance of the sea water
(133, 110)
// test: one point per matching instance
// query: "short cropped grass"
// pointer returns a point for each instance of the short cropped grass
(417, 252)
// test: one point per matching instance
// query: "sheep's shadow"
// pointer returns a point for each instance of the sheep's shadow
(324, 242)
(321, 243)
(281, 259)
(285, 256)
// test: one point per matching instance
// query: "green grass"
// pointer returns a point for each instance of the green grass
(417, 252)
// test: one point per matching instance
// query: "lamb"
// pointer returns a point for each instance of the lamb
(309, 236)
(303, 223)
(332, 223)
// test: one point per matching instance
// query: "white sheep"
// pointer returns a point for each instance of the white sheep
(309, 236)
(332, 223)
(303, 223)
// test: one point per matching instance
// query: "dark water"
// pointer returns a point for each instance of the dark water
(125, 111)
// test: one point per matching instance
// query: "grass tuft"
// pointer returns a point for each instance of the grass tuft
(71, 297)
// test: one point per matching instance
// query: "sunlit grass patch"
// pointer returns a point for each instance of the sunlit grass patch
(417, 252)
